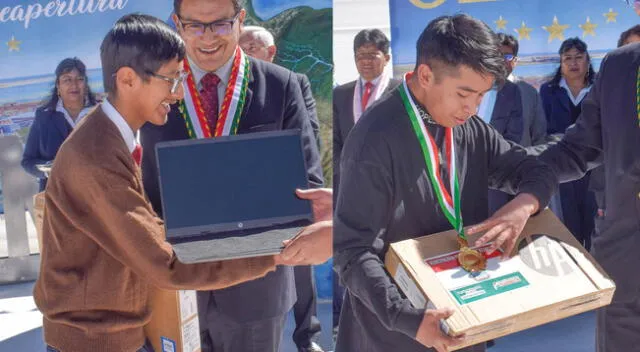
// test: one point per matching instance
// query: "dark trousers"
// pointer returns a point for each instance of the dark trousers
(338, 297)
(222, 333)
(618, 327)
(304, 310)
(579, 209)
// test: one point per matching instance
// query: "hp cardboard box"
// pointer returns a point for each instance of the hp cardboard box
(174, 323)
(550, 277)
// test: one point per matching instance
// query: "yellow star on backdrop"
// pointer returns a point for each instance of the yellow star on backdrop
(611, 16)
(523, 31)
(556, 30)
(588, 28)
(14, 45)
(501, 23)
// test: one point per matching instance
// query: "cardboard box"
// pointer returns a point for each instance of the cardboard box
(174, 323)
(551, 277)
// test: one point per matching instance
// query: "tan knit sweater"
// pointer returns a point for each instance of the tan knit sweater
(103, 246)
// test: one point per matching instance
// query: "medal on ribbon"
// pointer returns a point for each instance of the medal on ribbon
(232, 102)
(470, 259)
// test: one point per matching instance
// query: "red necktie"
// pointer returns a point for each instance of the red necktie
(366, 95)
(137, 154)
(209, 99)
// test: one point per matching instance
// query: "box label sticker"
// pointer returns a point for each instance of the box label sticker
(188, 304)
(489, 288)
(168, 345)
(409, 287)
(191, 336)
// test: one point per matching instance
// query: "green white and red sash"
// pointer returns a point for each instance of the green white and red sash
(232, 102)
(450, 205)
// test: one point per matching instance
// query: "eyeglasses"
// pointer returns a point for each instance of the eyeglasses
(368, 56)
(175, 82)
(510, 57)
(219, 27)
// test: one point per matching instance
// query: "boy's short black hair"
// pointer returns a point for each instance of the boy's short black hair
(141, 42)
(451, 41)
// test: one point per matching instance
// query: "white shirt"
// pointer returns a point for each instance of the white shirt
(125, 130)
(576, 101)
(223, 72)
(67, 116)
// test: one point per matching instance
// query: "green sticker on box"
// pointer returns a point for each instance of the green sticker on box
(489, 288)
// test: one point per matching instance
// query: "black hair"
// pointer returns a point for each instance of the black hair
(510, 41)
(452, 41)
(141, 42)
(371, 36)
(237, 6)
(635, 30)
(65, 66)
(574, 43)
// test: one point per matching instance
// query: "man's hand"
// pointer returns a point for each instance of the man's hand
(321, 201)
(429, 333)
(505, 226)
(312, 246)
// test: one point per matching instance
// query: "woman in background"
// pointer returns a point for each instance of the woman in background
(70, 100)
(562, 101)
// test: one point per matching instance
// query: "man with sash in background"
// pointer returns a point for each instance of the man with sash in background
(227, 93)
(419, 162)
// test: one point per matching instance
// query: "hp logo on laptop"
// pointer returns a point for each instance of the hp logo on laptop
(240, 225)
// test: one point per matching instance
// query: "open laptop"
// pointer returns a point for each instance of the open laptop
(234, 196)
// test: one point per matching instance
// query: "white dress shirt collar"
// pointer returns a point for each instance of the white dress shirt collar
(125, 130)
(60, 108)
(576, 101)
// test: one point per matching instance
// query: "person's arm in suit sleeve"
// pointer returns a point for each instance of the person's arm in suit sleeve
(149, 136)
(31, 155)
(122, 223)
(310, 103)
(539, 122)
(296, 117)
(363, 209)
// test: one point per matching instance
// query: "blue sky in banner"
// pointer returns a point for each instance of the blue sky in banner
(48, 40)
(408, 21)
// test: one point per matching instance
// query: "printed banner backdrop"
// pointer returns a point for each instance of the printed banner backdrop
(539, 25)
(36, 35)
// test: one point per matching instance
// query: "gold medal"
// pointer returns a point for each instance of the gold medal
(471, 260)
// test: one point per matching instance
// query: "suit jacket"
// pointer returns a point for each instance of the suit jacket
(343, 121)
(507, 113)
(607, 131)
(558, 108)
(104, 247)
(533, 117)
(274, 102)
(310, 103)
(48, 131)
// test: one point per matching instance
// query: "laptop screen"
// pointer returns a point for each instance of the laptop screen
(229, 182)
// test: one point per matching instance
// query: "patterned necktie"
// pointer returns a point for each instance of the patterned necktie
(209, 99)
(137, 154)
(366, 95)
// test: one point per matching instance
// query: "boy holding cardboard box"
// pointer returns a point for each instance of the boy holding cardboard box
(419, 162)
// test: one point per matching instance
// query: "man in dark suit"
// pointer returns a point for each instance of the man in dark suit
(607, 133)
(259, 43)
(502, 109)
(371, 51)
(250, 316)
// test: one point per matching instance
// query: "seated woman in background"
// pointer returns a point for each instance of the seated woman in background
(562, 101)
(71, 99)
